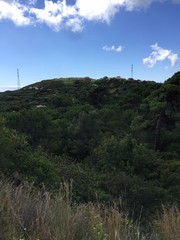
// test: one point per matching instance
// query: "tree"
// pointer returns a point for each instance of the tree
(35, 123)
(82, 132)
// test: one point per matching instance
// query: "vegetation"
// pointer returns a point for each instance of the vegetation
(116, 141)
(26, 213)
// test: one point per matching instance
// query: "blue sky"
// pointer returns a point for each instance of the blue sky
(96, 38)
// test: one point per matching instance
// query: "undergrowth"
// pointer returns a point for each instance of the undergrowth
(28, 213)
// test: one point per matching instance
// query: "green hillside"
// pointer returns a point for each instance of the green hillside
(114, 139)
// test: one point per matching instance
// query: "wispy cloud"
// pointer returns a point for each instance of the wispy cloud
(7, 87)
(160, 54)
(113, 48)
(59, 14)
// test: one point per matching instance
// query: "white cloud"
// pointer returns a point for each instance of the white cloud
(50, 15)
(58, 14)
(14, 11)
(113, 48)
(75, 24)
(4, 88)
(32, 2)
(160, 54)
(102, 10)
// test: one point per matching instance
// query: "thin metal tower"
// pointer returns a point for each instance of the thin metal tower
(18, 79)
(132, 70)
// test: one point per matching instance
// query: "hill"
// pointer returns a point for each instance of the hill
(114, 138)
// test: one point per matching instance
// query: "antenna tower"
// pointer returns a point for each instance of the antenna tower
(18, 80)
(132, 70)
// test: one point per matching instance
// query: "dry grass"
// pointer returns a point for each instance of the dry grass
(26, 213)
(168, 223)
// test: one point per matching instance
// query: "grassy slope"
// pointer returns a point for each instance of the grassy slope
(29, 214)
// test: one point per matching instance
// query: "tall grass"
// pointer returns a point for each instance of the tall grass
(168, 223)
(27, 213)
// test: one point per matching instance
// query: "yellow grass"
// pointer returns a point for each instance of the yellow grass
(168, 223)
(27, 213)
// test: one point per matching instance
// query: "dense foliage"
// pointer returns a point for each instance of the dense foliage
(115, 139)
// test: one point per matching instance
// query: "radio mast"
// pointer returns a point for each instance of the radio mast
(132, 70)
(18, 79)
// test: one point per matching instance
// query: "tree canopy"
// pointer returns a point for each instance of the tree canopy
(114, 138)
